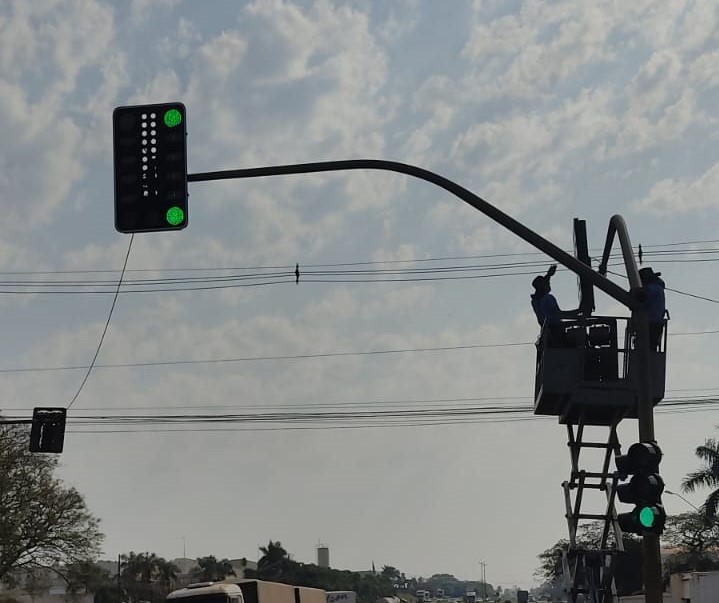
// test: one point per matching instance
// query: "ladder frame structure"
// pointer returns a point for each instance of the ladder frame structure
(588, 571)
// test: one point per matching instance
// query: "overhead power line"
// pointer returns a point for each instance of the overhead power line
(347, 272)
(360, 417)
(107, 324)
(656, 250)
(307, 356)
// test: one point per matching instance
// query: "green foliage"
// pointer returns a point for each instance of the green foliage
(696, 539)
(707, 476)
(210, 569)
(85, 577)
(146, 577)
(276, 565)
(628, 571)
(43, 523)
(391, 573)
(453, 587)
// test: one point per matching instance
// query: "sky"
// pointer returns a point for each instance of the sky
(409, 300)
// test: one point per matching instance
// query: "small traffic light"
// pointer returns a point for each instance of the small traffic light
(150, 165)
(644, 489)
(47, 433)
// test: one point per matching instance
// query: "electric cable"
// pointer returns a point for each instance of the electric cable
(107, 324)
(307, 356)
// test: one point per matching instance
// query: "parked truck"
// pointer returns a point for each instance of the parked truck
(423, 596)
(246, 591)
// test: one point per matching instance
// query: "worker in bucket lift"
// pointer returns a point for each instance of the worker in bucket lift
(544, 304)
(656, 304)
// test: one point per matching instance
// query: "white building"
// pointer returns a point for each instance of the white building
(691, 587)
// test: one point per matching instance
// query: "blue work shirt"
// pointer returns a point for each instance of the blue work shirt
(546, 308)
(656, 303)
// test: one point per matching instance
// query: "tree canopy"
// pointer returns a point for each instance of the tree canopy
(210, 568)
(628, 575)
(695, 539)
(707, 476)
(43, 523)
(276, 565)
(146, 577)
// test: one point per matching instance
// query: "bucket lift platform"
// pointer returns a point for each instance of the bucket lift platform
(587, 371)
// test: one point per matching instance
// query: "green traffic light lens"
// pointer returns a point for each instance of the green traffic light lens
(175, 216)
(646, 517)
(172, 118)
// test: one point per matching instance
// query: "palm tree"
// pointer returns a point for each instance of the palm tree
(272, 561)
(706, 477)
(210, 569)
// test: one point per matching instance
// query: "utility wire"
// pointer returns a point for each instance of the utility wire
(308, 356)
(107, 324)
(416, 403)
(709, 299)
(35, 286)
(286, 270)
(341, 420)
(289, 267)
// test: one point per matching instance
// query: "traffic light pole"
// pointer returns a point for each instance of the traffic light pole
(630, 299)
(624, 297)
(651, 554)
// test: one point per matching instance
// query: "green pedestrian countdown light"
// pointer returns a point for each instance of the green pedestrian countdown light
(172, 118)
(175, 216)
(150, 167)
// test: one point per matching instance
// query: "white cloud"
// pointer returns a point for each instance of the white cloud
(44, 143)
(406, 299)
(141, 10)
(405, 252)
(224, 54)
(702, 70)
(49, 51)
(671, 196)
(522, 61)
(541, 110)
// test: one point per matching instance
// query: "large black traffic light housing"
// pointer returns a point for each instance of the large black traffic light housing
(644, 489)
(150, 165)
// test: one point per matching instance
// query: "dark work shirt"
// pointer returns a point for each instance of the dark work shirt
(656, 303)
(546, 308)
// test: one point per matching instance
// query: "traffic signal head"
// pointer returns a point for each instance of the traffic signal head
(150, 165)
(644, 489)
(47, 433)
(641, 488)
(642, 458)
(643, 519)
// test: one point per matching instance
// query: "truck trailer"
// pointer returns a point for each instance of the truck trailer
(246, 591)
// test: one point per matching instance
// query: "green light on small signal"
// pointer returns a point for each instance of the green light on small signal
(175, 216)
(646, 517)
(172, 118)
